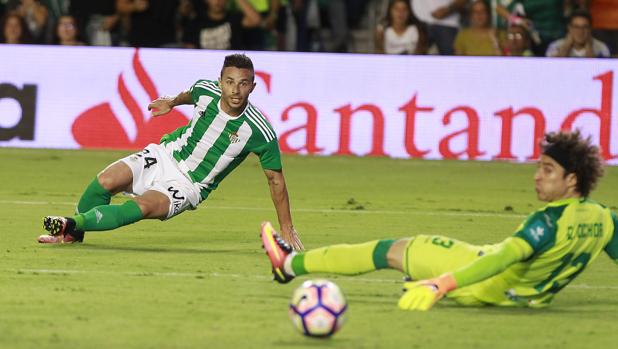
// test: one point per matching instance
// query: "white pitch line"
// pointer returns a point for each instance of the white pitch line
(238, 276)
(318, 210)
(176, 274)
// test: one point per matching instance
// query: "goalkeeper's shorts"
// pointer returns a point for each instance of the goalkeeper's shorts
(429, 256)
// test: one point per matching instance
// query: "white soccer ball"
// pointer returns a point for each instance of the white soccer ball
(318, 308)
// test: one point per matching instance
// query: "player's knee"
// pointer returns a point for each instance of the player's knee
(107, 181)
(116, 178)
(396, 253)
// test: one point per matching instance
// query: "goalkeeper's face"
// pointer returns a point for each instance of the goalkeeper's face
(236, 85)
(551, 182)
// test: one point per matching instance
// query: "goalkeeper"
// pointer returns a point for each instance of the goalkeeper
(548, 250)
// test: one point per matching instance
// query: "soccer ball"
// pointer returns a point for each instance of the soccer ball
(318, 308)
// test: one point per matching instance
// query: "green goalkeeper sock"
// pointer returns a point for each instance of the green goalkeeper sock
(343, 259)
(108, 217)
(94, 195)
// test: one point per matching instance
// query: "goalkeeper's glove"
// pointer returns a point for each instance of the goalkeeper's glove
(422, 295)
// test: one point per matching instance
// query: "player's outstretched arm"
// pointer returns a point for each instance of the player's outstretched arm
(165, 104)
(423, 294)
(279, 194)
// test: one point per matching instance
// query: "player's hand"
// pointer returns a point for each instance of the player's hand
(422, 295)
(291, 237)
(160, 106)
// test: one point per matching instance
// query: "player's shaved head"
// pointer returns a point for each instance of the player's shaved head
(238, 60)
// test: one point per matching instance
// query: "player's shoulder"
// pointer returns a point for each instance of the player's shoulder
(260, 123)
(551, 213)
(595, 204)
(545, 218)
(540, 227)
(203, 86)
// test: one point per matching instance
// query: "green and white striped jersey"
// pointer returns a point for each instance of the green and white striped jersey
(214, 143)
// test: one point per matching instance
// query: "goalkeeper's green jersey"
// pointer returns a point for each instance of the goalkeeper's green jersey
(215, 143)
(565, 237)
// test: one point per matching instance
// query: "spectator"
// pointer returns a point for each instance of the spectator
(254, 38)
(67, 33)
(605, 22)
(517, 41)
(98, 20)
(579, 41)
(35, 14)
(14, 30)
(278, 10)
(442, 20)
(218, 28)
(274, 25)
(402, 33)
(151, 22)
(307, 20)
(480, 39)
(55, 9)
(545, 17)
(185, 15)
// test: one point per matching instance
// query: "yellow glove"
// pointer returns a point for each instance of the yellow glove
(422, 295)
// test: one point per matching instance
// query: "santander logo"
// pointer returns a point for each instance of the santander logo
(100, 126)
(310, 119)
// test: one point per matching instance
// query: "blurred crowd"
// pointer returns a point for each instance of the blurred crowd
(559, 28)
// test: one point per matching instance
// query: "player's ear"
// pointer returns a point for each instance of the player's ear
(571, 180)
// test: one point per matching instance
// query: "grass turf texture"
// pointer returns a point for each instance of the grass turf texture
(201, 280)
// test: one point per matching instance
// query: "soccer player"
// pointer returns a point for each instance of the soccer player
(548, 250)
(180, 172)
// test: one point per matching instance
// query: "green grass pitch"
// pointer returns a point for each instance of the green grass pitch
(201, 280)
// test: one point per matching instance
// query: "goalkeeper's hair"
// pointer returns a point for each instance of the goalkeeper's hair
(583, 158)
(237, 60)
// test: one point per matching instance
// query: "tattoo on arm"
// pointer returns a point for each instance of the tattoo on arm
(183, 97)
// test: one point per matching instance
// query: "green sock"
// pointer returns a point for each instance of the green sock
(108, 217)
(94, 195)
(343, 259)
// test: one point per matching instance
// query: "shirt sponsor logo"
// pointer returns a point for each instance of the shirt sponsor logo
(177, 203)
(176, 206)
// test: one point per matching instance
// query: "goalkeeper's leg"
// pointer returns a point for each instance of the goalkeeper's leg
(338, 259)
(348, 259)
(419, 257)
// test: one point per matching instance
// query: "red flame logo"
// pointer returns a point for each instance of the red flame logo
(99, 127)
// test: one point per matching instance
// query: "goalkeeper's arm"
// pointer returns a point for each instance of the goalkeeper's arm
(423, 294)
(510, 251)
